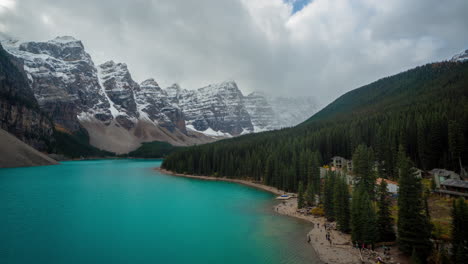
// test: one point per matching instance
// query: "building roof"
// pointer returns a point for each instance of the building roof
(455, 183)
(443, 172)
(379, 181)
(338, 157)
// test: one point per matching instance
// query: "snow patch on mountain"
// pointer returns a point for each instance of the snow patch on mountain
(462, 56)
(210, 132)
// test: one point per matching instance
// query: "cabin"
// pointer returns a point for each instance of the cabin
(441, 175)
(454, 187)
(340, 163)
(392, 187)
(350, 179)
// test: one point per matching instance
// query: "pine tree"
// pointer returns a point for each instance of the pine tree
(300, 196)
(328, 193)
(363, 218)
(414, 229)
(341, 204)
(314, 172)
(363, 168)
(357, 221)
(310, 194)
(369, 232)
(384, 218)
(460, 231)
(456, 141)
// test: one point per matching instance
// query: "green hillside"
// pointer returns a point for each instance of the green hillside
(424, 109)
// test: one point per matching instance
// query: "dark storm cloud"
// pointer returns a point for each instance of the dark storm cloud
(325, 49)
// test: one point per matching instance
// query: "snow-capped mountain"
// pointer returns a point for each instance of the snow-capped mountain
(119, 114)
(270, 113)
(219, 107)
(153, 104)
(463, 56)
(63, 78)
(261, 112)
(290, 111)
(104, 100)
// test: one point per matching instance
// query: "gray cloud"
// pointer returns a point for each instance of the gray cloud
(324, 50)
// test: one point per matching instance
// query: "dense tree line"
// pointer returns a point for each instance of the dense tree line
(155, 149)
(425, 110)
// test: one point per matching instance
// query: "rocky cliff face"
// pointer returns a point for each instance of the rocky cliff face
(119, 88)
(153, 104)
(219, 107)
(19, 110)
(63, 78)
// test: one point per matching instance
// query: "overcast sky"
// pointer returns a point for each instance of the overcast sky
(321, 48)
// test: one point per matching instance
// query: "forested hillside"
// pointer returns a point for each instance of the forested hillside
(424, 109)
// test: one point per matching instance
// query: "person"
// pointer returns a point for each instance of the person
(379, 260)
(308, 241)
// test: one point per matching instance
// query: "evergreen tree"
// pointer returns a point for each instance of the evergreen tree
(363, 218)
(328, 193)
(310, 194)
(456, 141)
(369, 232)
(363, 168)
(314, 172)
(300, 196)
(357, 219)
(384, 218)
(414, 229)
(341, 204)
(460, 231)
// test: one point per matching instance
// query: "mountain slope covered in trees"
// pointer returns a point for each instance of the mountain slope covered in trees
(424, 109)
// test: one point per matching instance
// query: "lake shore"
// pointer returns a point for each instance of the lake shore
(255, 185)
(339, 251)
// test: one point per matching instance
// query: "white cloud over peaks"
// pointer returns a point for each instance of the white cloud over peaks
(325, 49)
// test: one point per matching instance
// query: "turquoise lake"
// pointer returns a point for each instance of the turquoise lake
(123, 211)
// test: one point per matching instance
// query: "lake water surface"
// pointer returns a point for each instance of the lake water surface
(123, 211)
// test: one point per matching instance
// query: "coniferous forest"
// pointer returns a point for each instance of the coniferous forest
(425, 110)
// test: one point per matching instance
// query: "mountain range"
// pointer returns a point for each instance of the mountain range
(117, 114)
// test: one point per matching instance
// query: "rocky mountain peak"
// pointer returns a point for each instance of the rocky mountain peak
(119, 87)
(67, 40)
(64, 48)
(150, 83)
(222, 86)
